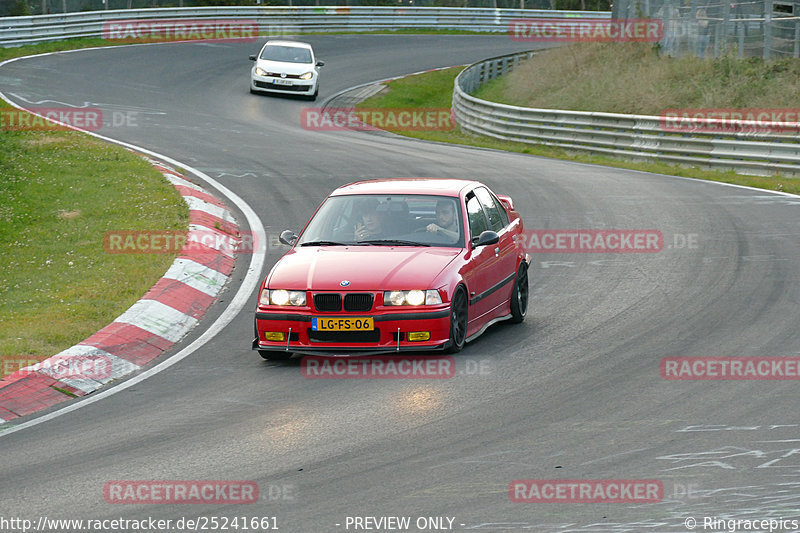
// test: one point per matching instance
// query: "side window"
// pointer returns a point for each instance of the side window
(498, 218)
(502, 209)
(477, 220)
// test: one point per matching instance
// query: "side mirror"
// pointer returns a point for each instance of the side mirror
(320, 63)
(485, 238)
(252, 57)
(506, 201)
(288, 237)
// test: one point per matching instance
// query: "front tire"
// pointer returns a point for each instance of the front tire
(458, 321)
(519, 295)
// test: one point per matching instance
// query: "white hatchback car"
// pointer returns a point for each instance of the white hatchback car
(286, 67)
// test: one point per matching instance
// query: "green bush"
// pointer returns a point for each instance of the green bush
(19, 8)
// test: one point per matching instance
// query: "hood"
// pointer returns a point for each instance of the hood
(368, 268)
(284, 67)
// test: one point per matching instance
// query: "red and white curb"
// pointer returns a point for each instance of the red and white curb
(164, 315)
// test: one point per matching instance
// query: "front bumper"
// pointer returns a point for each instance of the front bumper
(268, 84)
(390, 333)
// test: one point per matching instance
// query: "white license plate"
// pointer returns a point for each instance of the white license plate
(282, 82)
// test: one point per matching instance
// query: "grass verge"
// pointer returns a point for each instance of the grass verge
(632, 78)
(54, 46)
(435, 90)
(62, 191)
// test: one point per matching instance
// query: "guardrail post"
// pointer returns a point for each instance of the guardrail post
(740, 30)
(722, 33)
(767, 29)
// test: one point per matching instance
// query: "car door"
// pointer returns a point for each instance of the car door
(505, 250)
(482, 273)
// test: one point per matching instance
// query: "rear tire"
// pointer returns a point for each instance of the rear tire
(459, 314)
(519, 295)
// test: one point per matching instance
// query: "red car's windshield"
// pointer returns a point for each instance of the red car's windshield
(423, 220)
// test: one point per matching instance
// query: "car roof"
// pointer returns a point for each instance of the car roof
(296, 44)
(436, 186)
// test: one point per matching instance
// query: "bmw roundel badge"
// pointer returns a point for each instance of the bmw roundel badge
(344, 283)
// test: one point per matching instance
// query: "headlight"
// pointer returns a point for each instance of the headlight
(307, 76)
(260, 71)
(412, 297)
(283, 297)
(415, 297)
(394, 298)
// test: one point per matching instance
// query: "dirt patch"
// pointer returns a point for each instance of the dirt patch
(68, 215)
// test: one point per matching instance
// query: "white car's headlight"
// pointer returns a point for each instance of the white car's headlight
(282, 297)
(260, 71)
(412, 297)
(307, 76)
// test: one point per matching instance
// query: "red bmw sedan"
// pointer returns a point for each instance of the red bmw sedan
(395, 265)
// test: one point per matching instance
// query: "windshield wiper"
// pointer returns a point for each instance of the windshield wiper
(396, 242)
(326, 243)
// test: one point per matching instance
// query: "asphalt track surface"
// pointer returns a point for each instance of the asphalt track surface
(572, 393)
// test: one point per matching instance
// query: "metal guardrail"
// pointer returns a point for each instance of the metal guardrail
(639, 137)
(281, 20)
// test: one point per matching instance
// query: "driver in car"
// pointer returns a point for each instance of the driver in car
(446, 220)
(372, 222)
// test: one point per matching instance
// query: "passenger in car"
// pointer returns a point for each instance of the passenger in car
(446, 220)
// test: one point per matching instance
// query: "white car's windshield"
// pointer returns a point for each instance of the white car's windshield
(386, 220)
(286, 54)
